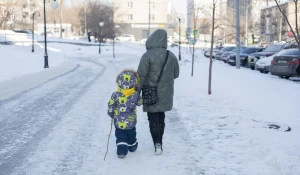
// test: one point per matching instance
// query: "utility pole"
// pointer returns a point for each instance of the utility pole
(61, 4)
(246, 38)
(194, 40)
(238, 44)
(85, 30)
(179, 56)
(149, 19)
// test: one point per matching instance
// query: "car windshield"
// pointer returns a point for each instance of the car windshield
(241, 49)
(274, 48)
(228, 48)
(249, 50)
(289, 52)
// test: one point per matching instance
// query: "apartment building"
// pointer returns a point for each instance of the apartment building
(28, 8)
(134, 15)
(20, 13)
(273, 26)
(2, 11)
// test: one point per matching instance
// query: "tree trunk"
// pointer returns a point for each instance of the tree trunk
(211, 49)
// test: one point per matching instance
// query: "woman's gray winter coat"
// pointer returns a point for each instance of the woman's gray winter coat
(149, 69)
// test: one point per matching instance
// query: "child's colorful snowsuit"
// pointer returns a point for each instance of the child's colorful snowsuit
(122, 108)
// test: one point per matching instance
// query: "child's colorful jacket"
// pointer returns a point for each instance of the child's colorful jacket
(122, 105)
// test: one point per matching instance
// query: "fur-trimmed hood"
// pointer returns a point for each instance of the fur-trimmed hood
(128, 79)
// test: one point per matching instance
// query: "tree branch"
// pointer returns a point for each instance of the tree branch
(284, 15)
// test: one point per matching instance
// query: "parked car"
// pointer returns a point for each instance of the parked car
(170, 39)
(49, 34)
(23, 31)
(286, 64)
(125, 37)
(143, 40)
(224, 56)
(244, 56)
(263, 65)
(215, 51)
(271, 50)
(222, 51)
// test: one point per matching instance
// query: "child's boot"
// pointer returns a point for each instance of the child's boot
(122, 149)
(133, 147)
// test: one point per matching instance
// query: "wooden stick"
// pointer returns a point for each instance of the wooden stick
(112, 120)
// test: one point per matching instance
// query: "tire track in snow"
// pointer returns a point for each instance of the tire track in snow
(31, 122)
(67, 149)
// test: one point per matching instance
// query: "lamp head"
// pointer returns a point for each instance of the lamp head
(38, 18)
(54, 4)
(101, 24)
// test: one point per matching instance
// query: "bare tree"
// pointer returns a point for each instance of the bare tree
(96, 12)
(296, 30)
(11, 9)
(217, 21)
(211, 46)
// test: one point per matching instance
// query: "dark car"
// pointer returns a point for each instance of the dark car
(206, 53)
(23, 31)
(269, 51)
(224, 56)
(244, 56)
(224, 50)
(286, 64)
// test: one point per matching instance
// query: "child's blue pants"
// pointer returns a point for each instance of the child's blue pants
(126, 141)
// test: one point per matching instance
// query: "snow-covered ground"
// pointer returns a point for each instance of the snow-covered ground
(17, 61)
(61, 127)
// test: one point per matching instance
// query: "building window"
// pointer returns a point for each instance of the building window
(130, 17)
(152, 4)
(130, 4)
(152, 17)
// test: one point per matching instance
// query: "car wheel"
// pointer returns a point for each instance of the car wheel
(287, 77)
(266, 72)
(261, 71)
(252, 68)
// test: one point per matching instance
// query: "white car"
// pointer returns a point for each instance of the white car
(125, 37)
(263, 64)
(143, 41)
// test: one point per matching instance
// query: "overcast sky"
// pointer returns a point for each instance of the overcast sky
(179, 5)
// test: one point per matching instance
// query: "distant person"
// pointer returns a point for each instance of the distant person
(89, 36)
(155, 62)
(122, 109)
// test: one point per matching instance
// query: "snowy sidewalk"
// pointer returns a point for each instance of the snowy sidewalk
(61, 127)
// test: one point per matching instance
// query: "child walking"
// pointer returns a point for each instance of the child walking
(122, 108)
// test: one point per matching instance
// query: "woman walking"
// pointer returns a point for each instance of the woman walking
(158, 68)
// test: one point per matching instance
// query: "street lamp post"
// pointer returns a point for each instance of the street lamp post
(179, 57)
(54, 5)
(101, 25)
(38, 18)
(116, 27)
